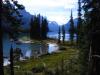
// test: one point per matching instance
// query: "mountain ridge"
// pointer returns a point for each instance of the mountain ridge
(52, 25)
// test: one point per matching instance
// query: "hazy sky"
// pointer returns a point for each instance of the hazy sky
(54, 10)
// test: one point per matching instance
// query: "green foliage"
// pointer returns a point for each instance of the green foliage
(92, 21)
(82, 42)
(64, 62)
(12, 16)
(16, 54)
(1, 51)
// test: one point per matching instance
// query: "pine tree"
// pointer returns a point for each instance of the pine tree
(1, 51)
(44, 28)
(63, 32)
(32, 28)
(59, 35)
(71, 29)
(8, 10)
(92, 20)
(38, 26)
(11, 62)
(35, 27)
(79, 24)
(14, 21)
(1, 43)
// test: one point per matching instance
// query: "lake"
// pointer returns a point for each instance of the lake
(31, 49)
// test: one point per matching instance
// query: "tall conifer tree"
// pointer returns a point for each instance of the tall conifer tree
(59, 35)
(1, 46)
(11, 62)
(79, 24)
(63, 33)
(44, 28)
(35, 27)
(92, 20)
(12, 16)
(32, 28)
(71, 29)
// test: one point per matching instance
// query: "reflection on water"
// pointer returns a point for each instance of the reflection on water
(28, 49)
(28, 53)
(6, 61)
(54, 35)
(52, 47)
(37, 51)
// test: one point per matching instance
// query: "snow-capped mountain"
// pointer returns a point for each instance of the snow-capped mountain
(53, 26)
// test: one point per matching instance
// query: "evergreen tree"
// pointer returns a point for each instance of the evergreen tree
(12, 16)
(79, 24)
(1, 49)
(1, 53)
(35, 27)
(63, 32)
(92, 20)
(72, 29)
(31, 28)
(8, 9)
(11, 62)
(59, 35)
(44, 28)
(38, 27)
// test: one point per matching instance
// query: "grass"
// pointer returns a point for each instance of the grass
(50, 61)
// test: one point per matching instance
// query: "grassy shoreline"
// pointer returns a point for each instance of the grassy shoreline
(50, 61)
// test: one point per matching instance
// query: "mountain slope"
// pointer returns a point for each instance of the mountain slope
(25, 19)
(53, 26)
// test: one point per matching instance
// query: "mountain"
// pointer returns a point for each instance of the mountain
(26, 16)
(67, 25)
(25, 19)
(53, 26)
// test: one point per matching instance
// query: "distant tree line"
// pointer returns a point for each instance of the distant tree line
(61, 34)
(72, 29)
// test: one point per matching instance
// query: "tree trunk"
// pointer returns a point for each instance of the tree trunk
(95, 56)
(1, 47)
(11, 61)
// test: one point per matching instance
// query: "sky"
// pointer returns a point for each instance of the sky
(53, 10)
